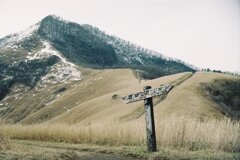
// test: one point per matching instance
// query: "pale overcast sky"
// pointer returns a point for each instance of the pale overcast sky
(205, 33)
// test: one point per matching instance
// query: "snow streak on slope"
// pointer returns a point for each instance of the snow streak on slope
(27, 33)
(11, 41)
(60, 72)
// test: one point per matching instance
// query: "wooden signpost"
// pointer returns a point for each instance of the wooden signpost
(147, 95)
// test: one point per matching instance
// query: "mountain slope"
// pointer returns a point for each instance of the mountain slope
(87, 45)
(42, 62)
(152, 63)
(76, 43)
(190, 99)
(57, 42)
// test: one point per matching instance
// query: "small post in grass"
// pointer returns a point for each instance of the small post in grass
(150, 125)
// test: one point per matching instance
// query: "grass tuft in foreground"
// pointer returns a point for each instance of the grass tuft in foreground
(175, 133)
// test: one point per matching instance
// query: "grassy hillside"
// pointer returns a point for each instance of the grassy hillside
(225, 92)
(96, 83)
(97, 98)
(92, 112)
(189, 99)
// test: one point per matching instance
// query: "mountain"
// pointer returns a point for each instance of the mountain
(64, 82)
(86, 45)
(53, 55)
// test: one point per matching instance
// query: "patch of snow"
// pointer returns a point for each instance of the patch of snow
(126, 59)
(139, 60)
(64, 70)
(27, 32)
(122, 49)
(46, 52)
(61, 72)
(10, 42)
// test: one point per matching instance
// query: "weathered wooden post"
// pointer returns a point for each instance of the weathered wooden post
(150, 125)
(147, 95)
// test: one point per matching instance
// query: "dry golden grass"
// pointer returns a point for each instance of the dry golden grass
(95, 84)
(171, 132)
(194, 134)
(91, 101)
(189, 100)
(5, 142)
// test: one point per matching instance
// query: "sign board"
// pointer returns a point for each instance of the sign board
(163, 89)
(147, 95)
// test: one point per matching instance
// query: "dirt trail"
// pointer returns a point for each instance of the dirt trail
(28, 150)
(40, 150)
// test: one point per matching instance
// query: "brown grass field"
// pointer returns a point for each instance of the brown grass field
(171, 133)
(189, 125)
